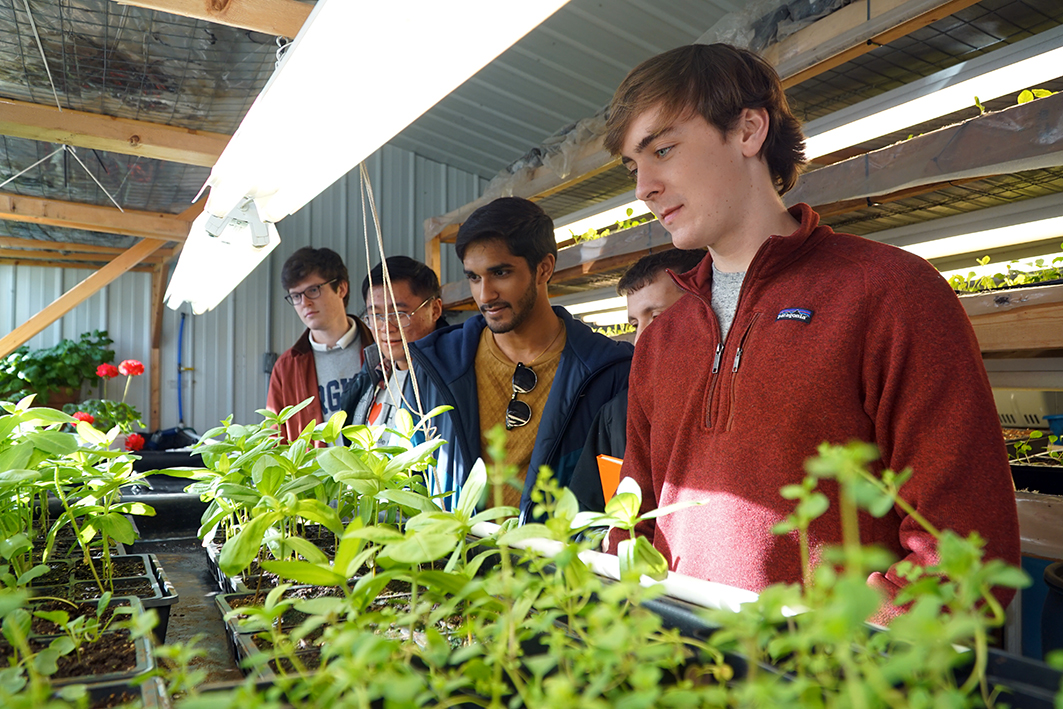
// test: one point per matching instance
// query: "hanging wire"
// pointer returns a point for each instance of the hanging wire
(365, 188)
(37, 36)
(19, 174)
(73, 152)
(282, 48)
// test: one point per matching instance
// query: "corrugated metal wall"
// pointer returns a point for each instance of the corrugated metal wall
(224, 349)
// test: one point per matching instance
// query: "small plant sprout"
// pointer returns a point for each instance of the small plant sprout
(637, 556)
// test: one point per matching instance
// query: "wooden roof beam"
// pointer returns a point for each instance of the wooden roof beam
(87, 258)
(115, 135)
(92, 217)
(78, 294)
(281, 18)
(68, 247)
(146, 268)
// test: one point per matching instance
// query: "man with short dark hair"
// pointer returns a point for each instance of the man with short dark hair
(794, 335)
(329, 352)
(519, 362)
(649, 290)
(410, 309)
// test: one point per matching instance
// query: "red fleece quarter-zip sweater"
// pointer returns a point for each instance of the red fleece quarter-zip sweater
(835, 338)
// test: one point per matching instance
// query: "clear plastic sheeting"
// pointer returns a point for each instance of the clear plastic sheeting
(135, 182)
(133, 63)
(764, 22)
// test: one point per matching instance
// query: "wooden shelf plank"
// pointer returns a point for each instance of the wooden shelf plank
(1017, 320)
(1023, 137)
(282, 18)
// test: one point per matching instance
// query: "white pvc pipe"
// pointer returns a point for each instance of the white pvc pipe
(706, 594)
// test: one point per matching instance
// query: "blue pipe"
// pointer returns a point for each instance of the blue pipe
(180, 389)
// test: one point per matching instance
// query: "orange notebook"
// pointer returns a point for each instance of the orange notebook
(609, 472)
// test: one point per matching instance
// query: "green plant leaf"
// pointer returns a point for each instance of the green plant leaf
(306, 549)
(239, 551)
(117, 526)
(418, 454)
(54, 442)
(525, 532)
(305, 572)
(318, 511)
(410, 500)
(421, 548)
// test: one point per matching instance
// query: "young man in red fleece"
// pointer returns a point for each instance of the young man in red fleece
(795, 335)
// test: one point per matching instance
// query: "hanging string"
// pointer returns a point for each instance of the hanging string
(17, 175)
(40, 47)
(73, 152)
(364, 181)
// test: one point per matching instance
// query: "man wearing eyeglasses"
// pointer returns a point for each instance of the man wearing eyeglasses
(519, 362)
(375, 394)
(329, 352)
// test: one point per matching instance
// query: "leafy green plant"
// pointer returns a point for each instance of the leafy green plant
(1027, 95)
(592, 234)
(1015, 274)
(82, 629)
(45, 371)
(107, 414)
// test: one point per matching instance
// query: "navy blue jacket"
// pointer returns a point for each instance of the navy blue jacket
(592, 370)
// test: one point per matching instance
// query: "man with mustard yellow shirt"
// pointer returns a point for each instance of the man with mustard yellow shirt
(519, 362)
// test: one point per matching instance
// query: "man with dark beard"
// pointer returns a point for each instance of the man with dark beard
(519, 362)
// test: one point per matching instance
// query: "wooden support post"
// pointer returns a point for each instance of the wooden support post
(433, 255)
(158, 290)
(76, 295)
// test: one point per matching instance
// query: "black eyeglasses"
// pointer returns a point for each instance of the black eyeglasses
(518, 413)
(313, 293)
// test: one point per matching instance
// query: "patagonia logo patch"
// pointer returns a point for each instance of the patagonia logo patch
(799, 314)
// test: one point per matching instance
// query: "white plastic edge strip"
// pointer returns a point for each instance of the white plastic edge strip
(706, 594)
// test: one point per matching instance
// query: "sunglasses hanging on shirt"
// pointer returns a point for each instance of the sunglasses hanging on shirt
(519, 413)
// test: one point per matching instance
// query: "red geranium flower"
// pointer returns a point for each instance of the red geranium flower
(84, 416)
(107, 371)
(131, 367)
(134, 441)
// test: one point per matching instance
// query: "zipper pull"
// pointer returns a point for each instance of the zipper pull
(716, 359)
(738, 358)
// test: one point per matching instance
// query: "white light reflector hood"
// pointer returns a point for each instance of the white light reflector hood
(356, 75)
(210, 267)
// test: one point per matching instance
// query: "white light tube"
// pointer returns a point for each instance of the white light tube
(614, 317)
(594, 306)
(976, 232)
(356, 75)
(989, 239)
(210, 267)
(1013, 68)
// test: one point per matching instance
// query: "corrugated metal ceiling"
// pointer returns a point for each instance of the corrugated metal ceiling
(564, 70)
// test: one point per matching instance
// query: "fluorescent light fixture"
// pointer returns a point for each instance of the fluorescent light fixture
(989, 239)
(613, 317)
(595, 306)
(983, 230)
(210, 267)
(334, 101)
(600, 216)
(1018, 66)
(1025, 265)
